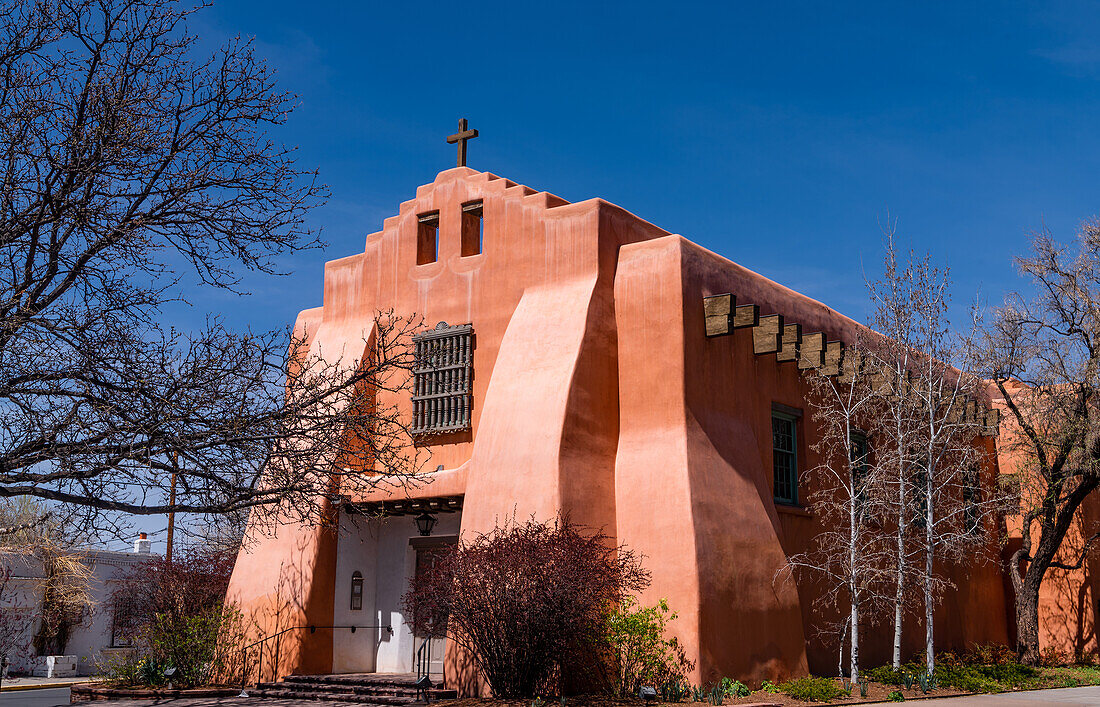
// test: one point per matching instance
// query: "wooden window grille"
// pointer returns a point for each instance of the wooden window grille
(441, 379)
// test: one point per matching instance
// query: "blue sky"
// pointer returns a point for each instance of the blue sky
(780, 135)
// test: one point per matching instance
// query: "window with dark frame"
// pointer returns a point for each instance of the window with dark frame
(920, 491)
(427, 238)
(472, 228)
(971, 496)
(785, 457)
(442, 379)
(861, 467)
(356, 591)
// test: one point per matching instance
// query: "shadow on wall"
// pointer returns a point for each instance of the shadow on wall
(461, 673)
(277, 634)
(1069, 617)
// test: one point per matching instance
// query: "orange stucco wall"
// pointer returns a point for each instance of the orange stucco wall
(596, 392)
(1068, 607)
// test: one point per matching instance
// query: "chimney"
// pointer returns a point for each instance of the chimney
(141, 545)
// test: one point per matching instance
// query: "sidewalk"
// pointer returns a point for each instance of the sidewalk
(32, 683)
(1032, 698)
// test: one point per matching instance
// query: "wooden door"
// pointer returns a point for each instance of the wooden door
(434, 647)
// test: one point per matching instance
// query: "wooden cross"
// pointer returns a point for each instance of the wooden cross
(461, 137)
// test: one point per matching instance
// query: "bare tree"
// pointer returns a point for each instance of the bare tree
(849, 555)
(129, 167)
(1043, 355)
(935, 413)
(894, 297)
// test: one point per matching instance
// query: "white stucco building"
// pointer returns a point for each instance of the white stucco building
(93, 639)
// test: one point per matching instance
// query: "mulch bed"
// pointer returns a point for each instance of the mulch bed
(88, 692)
(875, 693)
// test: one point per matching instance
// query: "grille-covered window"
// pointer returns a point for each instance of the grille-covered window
(971, 497)
(861, 467)
(785, 458)
(441, 379)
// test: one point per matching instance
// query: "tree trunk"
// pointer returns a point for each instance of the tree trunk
(1027, 622)
(840, 653)
(929, 633)
(853, 536)
(899, 590)
(854, 670)
(898, 598)
(929, 599)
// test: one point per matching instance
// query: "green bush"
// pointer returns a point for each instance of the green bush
(885, 674)
(990, 668)
(640, 652)
(187, 644)
(1072, 676)
(985, 678)
(812, 689)
(734, 688)
(203, 648)
(895, 696)
(991, 654)
(122, 670)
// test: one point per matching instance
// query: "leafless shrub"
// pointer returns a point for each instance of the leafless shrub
(524, 600)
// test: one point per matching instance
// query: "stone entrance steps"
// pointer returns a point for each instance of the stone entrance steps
(385, 690)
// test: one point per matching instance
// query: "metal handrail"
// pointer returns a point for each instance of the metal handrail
(423, 668)
(422, 660)
(278, 634)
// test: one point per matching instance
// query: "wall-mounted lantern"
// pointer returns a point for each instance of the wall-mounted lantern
(425, 522)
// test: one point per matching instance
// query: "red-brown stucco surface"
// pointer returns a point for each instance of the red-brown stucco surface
(597, 393)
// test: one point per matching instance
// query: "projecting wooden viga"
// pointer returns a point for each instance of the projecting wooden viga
(772, 335)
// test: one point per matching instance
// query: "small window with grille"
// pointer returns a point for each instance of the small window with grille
(441, 379)
(126, 611)
(785, 457)
(971, 499)
(356, 591)
(860, 465)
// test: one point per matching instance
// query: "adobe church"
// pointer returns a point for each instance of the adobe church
(600, 365)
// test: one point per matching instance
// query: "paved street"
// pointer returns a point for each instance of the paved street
(47, 697)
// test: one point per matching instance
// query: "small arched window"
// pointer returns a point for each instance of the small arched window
(356, 591)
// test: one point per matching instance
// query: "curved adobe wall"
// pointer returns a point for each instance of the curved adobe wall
(691, 496)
